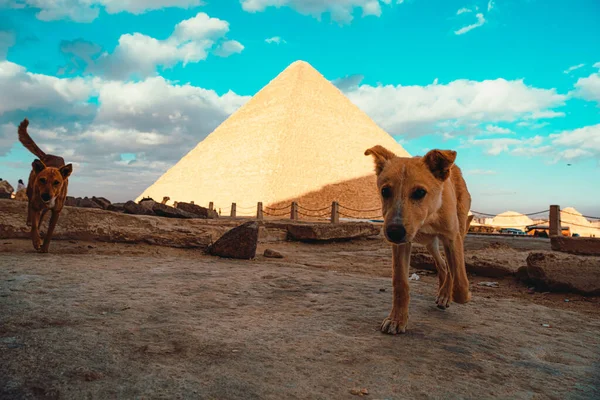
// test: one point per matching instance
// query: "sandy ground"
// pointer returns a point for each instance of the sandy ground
(104, 321)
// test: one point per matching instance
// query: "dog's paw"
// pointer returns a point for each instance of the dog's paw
(461, 297)
(394, 327)
(443, 300)
(37, 243)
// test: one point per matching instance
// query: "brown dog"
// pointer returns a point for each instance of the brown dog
(46, 188)
(424, 200)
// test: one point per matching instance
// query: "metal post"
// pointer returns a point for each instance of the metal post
(294, 211)
(233, 210)
(259, 210)
(555, 228)
(210, 206)
(335, 212)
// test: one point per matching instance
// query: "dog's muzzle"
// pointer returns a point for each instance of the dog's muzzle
(396, 233)
(46, 197)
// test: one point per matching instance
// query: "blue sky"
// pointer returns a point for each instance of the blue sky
(124, 91)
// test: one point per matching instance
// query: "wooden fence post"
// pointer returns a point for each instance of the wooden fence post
(335, 212)
(210, 205)
(259, 210)
(555, 228)
(233, 210)
(294, 210)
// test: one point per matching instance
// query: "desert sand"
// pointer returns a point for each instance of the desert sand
(101, 320)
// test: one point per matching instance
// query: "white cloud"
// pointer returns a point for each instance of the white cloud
(88, 10)
(480, 21)
(573, 68)
(579, 143)
(588, 88)
(228, 48)
(153, 119)
(495, 147)
(490, 5)
(139, 55)
(276, 40)
(417, 110)
(497, 130)
(463, 10)
(340, 10)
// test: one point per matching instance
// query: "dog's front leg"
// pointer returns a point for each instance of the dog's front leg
(35, 233)
(51, 226)
(455, 254)
(398, 319)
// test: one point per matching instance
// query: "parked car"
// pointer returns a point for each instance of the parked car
(512, 231)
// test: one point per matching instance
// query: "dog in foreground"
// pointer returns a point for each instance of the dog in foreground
(46, 188)
(424, 200)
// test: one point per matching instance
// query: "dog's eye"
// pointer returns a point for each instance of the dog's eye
(43, 181)
(386, 192)
(56, 183)
(418, 193)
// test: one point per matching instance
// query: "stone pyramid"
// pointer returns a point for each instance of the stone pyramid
(299, 138)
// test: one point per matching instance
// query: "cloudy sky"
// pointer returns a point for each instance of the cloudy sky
(124, 88)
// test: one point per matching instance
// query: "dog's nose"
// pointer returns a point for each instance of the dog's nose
(396, 233)
(45, 196)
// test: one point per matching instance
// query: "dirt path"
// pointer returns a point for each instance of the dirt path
(141, 322)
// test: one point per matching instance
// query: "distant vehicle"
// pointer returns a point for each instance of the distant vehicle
(576, 235)
(512, 231)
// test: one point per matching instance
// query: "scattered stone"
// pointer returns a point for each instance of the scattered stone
(489, 284)
(558, 272)
(164, 210)
(531, 290)
(359, 392)
(71, 201)
(546, 325)
(331, 232)
(566, 300)
(132, 207)
(382, 289)
(269, 253)
(200, 212)
(239, 242)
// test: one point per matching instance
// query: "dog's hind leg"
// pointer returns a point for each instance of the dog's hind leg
(455, 254)
(445, 277)
(51, 226)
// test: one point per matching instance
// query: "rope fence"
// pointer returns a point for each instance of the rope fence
(544, 220)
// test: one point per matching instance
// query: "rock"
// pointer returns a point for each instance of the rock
(164, 210)
(556, 272)
(102, 202)
(239, 242)
(331, 232)
(200, 212)
(71, 201)
(576, 245)
(422, 261)
(87, 224)
(269, 253)
(131, 207)
(116, 207)
(148, 204)
(87, 203)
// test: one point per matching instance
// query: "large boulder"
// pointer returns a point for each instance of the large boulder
(87, 203)
(102, 202)
(164, 210)
(200, 212)
(131, 207)
(557, 272)
(240, 242)
(71, 201)
(117, 207)
(331, 232)
(576, 245)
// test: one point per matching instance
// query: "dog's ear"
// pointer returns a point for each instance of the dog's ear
(66, 170)
(38, 166)
(381, 155)
(440, 162)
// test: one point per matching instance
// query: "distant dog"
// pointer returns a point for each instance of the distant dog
(46, 188)
(424, 200)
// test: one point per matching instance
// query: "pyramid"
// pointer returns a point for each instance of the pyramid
(299, 138)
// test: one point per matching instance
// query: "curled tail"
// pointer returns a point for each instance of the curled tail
(28, 142)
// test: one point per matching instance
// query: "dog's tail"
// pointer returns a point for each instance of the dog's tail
(28, 142)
